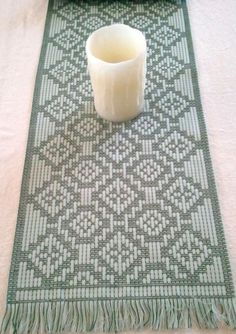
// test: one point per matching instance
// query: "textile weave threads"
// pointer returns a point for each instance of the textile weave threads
(119, 225)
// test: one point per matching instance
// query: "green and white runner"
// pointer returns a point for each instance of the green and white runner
(119, 224)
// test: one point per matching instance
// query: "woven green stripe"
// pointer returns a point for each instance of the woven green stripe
(119, 224)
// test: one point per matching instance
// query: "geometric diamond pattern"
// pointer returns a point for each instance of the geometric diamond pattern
(169, 67)
(49, 255)
(190, 252)
(61, 108)
(119, 253)
(177, 146)
(182, 194)
(86, 170)
(70, 11)
(57, 149)
(67, 40)
(141, 22)
(87, 128)
(145, 126)
(118, 196)
(54, 198)
(173, 104)
(118, 147)
(117, 210)
(64, 71)
(166, 35)
(149, 170)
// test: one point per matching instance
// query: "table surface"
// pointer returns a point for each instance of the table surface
(213, 27)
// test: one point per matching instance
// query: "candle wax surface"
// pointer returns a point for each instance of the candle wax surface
(117, 66)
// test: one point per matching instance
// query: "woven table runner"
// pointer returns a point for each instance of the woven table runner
(118, 225)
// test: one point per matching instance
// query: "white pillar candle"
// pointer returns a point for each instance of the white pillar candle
(117, 66)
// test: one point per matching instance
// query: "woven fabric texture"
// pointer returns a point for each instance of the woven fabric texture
(120, 218)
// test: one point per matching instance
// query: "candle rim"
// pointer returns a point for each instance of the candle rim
(122, 62)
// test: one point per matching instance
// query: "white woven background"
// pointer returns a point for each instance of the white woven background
(213, 27)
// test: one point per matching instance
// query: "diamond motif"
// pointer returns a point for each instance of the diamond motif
(140, 22)
(149, 169)
(118, 196)
(67, 40)
(87, 128)
(114, 9)
(49, 255)
(64, 71)
(153, 223)
(164, 8)
(169, 67)
(61, 108)
(118, 147)
(166, 36)
(71, 11)
(57, 150)
(119, 253)
(177, 146)
(93, 23)
(87, 171)
(84, 224)
(182, 194)
(54, 198)
(145, 125)
(189, 252)
(173, 104)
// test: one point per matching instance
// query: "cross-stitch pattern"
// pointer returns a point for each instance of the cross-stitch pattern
(118, 211)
